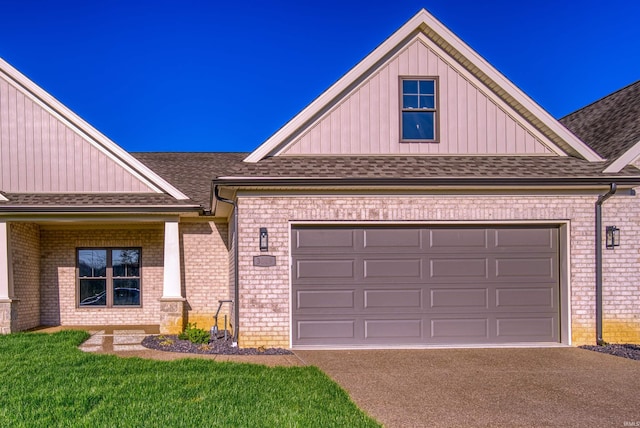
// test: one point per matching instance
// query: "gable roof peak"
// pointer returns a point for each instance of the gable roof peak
(425, 26)
(87, 132)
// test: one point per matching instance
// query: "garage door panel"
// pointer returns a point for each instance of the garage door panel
(526, 297)
(393, 268)
(393, 329)
(309, 239)
(329, 329)
(413, 286)
(458, 268)
(526, 329)
(526, 240)
(470, 328)
(384, 239)
(536, 268)
(325, 269)
(457, 239)
(394, 298)
(325, 299)
(458, 298)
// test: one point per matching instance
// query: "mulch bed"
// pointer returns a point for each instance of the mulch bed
(218, 345)
(625, 350)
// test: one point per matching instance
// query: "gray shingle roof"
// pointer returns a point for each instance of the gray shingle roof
(191, 173)
(421, 167)
(98, 201)
(611, 125)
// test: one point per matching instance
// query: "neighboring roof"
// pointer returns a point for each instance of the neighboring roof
(611, 125)
(192, 172)
(425, 27)
(94, 202)
(89, 134)
(450, 168)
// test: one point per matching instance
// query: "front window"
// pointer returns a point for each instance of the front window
(109, 277)
(418, 110)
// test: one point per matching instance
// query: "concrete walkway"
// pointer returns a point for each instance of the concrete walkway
(487, 387)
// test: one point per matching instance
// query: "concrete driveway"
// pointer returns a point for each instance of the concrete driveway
(487, 387)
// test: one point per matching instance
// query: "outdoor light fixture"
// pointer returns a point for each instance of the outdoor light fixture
(264, 239)
(612, 237)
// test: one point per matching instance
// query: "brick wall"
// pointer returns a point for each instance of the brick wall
(264, 304)
(621, 272)
(58, 269)
(205, 270)
(25, 257)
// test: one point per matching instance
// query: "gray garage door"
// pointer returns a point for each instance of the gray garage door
(384, 286)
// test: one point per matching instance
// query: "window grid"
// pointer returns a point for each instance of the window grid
(108, 277)
(418, 112)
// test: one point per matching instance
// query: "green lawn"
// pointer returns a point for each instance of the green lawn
(45, 381)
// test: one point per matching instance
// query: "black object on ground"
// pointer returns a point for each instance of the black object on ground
(219, 345)
(625, 350)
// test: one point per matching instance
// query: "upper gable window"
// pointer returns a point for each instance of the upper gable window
(419, 109)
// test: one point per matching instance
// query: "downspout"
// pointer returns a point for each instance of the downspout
(234, 242)
(599, 202)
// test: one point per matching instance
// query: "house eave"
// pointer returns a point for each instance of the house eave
(26, 209)
(468, 182)
(336, 187)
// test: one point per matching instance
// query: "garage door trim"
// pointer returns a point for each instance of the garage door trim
(563, 227)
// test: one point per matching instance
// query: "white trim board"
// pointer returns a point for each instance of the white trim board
(625, 159)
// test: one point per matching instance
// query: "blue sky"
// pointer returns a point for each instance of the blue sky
(198, 75)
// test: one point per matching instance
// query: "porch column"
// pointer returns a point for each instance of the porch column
(7, 315)
(172, 301)
(172, 287)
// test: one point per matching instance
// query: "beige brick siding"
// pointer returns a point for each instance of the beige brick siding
(621, 272)
(25, 257)
(58, 274)
(205, 270)
(264, 303)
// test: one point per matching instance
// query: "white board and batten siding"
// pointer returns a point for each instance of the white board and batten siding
(367, 120)
(40, 153)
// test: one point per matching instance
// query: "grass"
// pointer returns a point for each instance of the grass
(46, 381)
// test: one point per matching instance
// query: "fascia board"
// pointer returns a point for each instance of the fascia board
(627, 157)
(98, 208)
(461, 52)
(473, 182)
(89, 133)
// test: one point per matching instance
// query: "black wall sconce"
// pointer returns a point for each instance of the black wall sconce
(264, 239)
(612, 237)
